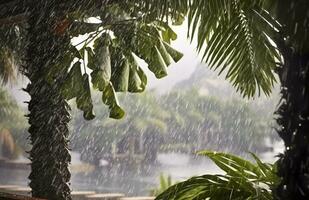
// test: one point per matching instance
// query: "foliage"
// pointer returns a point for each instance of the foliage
(107, 57)
(11, 39)
(237, 42)
(124, 30)
(178, 120)
(165, 183)
(112, 59)
(242, 180)
(209, 122)
(12, 123)
(145, 119)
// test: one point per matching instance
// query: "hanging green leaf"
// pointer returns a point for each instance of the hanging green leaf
(120, 76)
(99, 80)
(83, 99)
(100, 62)
(168, 34)
(156, 64)
(176, 55)
(109, 98)
(92, 64)
(73, 83)
(102, 54)
(165, 55)
(137, 77)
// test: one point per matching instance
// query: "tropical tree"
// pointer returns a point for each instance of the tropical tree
(54, 68)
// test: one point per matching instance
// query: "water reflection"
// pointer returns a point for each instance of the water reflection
(132, 181)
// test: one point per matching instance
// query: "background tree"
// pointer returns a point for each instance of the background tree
(173, 122)
(144, 122)
(12, 127)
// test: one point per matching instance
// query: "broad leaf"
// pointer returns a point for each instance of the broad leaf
(236, 184)
(83, 99)
(109, 98)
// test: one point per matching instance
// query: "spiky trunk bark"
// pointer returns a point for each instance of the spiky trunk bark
(293, 119)
(48, 110)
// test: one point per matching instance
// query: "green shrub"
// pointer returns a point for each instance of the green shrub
(243, 180)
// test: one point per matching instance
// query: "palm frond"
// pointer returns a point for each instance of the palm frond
(235, 37)
(243, 180)
(12, 41)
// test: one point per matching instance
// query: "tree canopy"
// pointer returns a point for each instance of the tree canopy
(125, 30)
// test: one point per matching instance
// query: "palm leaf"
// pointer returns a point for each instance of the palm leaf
(235, 43)
(243, 180)
(234, 37)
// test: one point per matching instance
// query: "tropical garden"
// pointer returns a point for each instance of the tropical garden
(250, 42)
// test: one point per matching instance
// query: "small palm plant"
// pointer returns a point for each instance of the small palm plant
(242, 180)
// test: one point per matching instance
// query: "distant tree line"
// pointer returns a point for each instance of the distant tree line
(182, 121)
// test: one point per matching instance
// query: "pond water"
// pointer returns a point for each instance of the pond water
(134, 181)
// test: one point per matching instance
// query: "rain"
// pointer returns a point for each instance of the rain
(140, 100)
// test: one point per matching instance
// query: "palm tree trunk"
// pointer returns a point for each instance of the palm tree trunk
(49, 116)
(293, 119)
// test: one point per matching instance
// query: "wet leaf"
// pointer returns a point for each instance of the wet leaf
(176, 55)
(73, 83)
(157, 64)
(120, 76)
(109, 98)
(83, 99)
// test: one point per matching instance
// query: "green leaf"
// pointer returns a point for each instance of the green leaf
(92, 63)
(83, 99)
(176, 55)
(168, 34)
(165, 55)
(157, 64)
(178, 20)
(120, 75)
(100, 59)
(137, 77)
(233, 165)
(99, 79)
(234, 186)
(109, 98)
(236, 36)
(73, 83)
